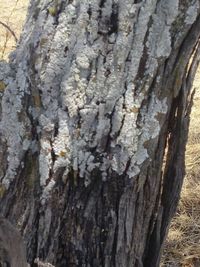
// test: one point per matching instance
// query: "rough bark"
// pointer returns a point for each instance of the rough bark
(12, 252)
(94, 120)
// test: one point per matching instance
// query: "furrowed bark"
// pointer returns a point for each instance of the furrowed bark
(97, 95)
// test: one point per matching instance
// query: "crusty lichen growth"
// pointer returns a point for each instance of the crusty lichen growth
(14, 126)
(86, 72)
(192, 12)
(89, 89)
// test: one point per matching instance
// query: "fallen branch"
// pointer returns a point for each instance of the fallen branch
(10, 30)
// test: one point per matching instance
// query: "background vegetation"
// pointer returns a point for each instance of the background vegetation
(13, 14)
(182, 248)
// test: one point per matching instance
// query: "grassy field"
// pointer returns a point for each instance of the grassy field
(182, 247)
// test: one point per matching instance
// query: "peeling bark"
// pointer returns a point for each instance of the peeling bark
(94, 95)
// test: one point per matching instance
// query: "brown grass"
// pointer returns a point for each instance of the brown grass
(12, 13)
(182, 248)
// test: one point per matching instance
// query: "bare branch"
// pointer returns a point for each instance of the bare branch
(10, 30)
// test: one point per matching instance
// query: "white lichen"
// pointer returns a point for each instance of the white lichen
(192, 13)
(88, 86)
(14, 129)
(45, 161)
(62, 143)
(159, 40)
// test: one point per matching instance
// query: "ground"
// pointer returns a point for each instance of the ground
(182, 248)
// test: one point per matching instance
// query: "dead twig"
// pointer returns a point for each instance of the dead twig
(10, 30)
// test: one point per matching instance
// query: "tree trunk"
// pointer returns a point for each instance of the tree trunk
(12, 252)
(94, 121)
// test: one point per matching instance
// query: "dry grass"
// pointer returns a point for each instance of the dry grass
(12, 13)
(182, 247)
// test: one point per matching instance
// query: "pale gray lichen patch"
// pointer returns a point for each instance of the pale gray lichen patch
(14, 126)
(83, 61)
(192, 13)
(73, 92)
(88, 123)
(151, 122)
(83, 157)
(117, 118)
(127, 139)
(159, 40)
(146, 10)
(45, 123)
(4, 70)
(62, 143)
(46, 194)
(26, 144)
(119, 160)
(45, 161)
(150, 130)
(141, 155)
